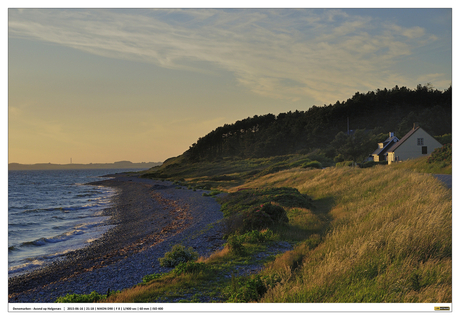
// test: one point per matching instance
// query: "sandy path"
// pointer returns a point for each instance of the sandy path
(445, 178)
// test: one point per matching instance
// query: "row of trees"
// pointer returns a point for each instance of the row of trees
(357, 146)
(301, 131)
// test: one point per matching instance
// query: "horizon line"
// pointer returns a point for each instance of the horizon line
(91, 163)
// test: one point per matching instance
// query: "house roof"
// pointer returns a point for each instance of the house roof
(377, 151)
(386, 145)
(389, 139)
(385, 148)
(403, 139)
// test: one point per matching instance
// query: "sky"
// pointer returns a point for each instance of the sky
(106, 85)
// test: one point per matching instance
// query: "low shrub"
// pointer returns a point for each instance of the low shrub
(265, 216)
(177, 255)
(211, 194)
(312, 242)
(443, 154)
(299, 163)
(444, 139)
(313, 164)
(150, 277)
(204, 186)
(247, 289)
(235, 245)
(82, 298)
(256, 236)
(244, 200)
(276, 213)
(258, 217)
(258, 209)
(273, 169)
(323, 158)
(233, 224)
(190, 267)
(344, 164)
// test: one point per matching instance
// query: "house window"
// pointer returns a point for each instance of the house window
(424, 150)
(420, 141)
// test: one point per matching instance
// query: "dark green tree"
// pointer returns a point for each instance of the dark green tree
(356, 146)
(302, 131)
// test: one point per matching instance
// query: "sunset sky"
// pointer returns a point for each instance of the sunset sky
(105, 85)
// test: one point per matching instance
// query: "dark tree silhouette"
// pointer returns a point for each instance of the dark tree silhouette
(267, 135)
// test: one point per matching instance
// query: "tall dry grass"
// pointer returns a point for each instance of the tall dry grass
(390, 238)
(148, 292)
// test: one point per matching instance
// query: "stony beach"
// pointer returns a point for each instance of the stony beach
(148, 218)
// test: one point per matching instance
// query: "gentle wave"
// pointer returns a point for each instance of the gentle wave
(78, 230)
(23, 224)
(34, 263)
(98, 204)
(25, 266)
(54, 211)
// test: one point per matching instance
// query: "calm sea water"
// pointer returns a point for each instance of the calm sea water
(51, 212)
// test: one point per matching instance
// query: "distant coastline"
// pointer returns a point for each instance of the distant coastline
(74, 166)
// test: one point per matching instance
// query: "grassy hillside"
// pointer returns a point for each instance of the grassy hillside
(421, 165)
(374, 234)
(226, 173)
(389, 238)
(381, 234)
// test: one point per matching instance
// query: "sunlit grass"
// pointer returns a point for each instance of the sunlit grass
(178, 286)
(169, 285)
(381, 234)
(420, 165)
(223, 174)
(388, 229)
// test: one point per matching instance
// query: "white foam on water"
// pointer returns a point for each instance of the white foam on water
(52, 213)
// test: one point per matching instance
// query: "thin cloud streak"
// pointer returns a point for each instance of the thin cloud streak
(284, 54)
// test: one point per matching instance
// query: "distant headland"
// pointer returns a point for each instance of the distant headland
(73, 166)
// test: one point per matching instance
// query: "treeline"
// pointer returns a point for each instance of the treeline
(381, 111)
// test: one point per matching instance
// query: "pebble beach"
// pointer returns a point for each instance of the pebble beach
(148, 218)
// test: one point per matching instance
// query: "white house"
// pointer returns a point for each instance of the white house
(380, 154)
(414, 144)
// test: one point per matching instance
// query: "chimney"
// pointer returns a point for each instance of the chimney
(415, 125)
(392, 134)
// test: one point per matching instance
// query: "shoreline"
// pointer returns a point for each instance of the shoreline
(93, 223)
(150, 217)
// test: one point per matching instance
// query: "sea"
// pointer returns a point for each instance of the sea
(52, 212)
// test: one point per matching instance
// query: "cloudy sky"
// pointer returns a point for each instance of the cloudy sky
(105, 85)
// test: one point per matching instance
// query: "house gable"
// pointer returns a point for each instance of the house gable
(414, 144)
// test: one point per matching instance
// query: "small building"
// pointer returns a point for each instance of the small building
(382, 151)
(416, 143)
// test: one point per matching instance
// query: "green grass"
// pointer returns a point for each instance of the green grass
(386, 226)
(83, 298)
(199, 279)
(242, 200)
(421, 165)
(227, 173)
(379, 234)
